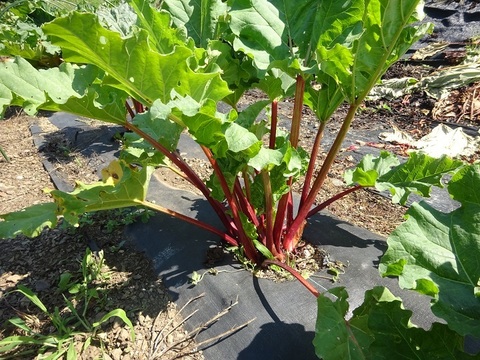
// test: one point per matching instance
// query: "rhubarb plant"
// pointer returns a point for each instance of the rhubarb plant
(165, 70)
(162, 71)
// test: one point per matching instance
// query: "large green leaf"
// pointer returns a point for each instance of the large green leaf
(312, 23)
(120, 18)
(370, 168)
(131, 64)
(162, 36)
(358, 62)
(334, 339)
(30, 221)
(277, 29)
(259, 31)
(103, 103)
(237, 69)
(436, 254)
(33, 87)
(379, 329)
(66, 88)
(122, 186)
(201, 18)
(417, 175)
(6, 98)
(324, 97)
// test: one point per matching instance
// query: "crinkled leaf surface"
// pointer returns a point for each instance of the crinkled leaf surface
(123, 186)
(334, 339)
(237, 69)
(325, 97)
(100, 102)
(379, 329)
(162, 35)
(201, 18)
(268, 29)
(67, 88)
(30, 221)
(417, 174)
(259, 31)
(132, 64)
(120, 18)
(33, 87)
(436, 253)
(358, 61)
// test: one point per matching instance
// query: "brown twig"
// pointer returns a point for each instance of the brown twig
(192, 334)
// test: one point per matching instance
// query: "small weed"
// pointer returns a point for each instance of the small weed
(69, 326)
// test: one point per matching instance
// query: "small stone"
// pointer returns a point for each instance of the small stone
(171, 313)
(170, 339)
(116, 325)
(337, 182)
(137, 277)
(124, 335)
(116, 354)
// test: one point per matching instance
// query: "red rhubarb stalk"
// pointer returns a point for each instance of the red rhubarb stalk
(323, 205)
(249, 248)
(312, 162)
(291, 238)
(273, 125)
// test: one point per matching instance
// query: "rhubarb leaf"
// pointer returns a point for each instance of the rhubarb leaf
(122, 186)
(361, 58)
(380, 328)
(324, 97)
(131, 64)
(30, 221)
(328, 23)
(237, 69)
(435, 253)
(334, 339)
(416, 175)
(34, 87)
(120, 18)
(259, 31)
(370, 168)
(162, 35)
(66, 88)
(201, 18)
(6, 98)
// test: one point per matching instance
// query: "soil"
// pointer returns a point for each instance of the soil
(129, 281)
